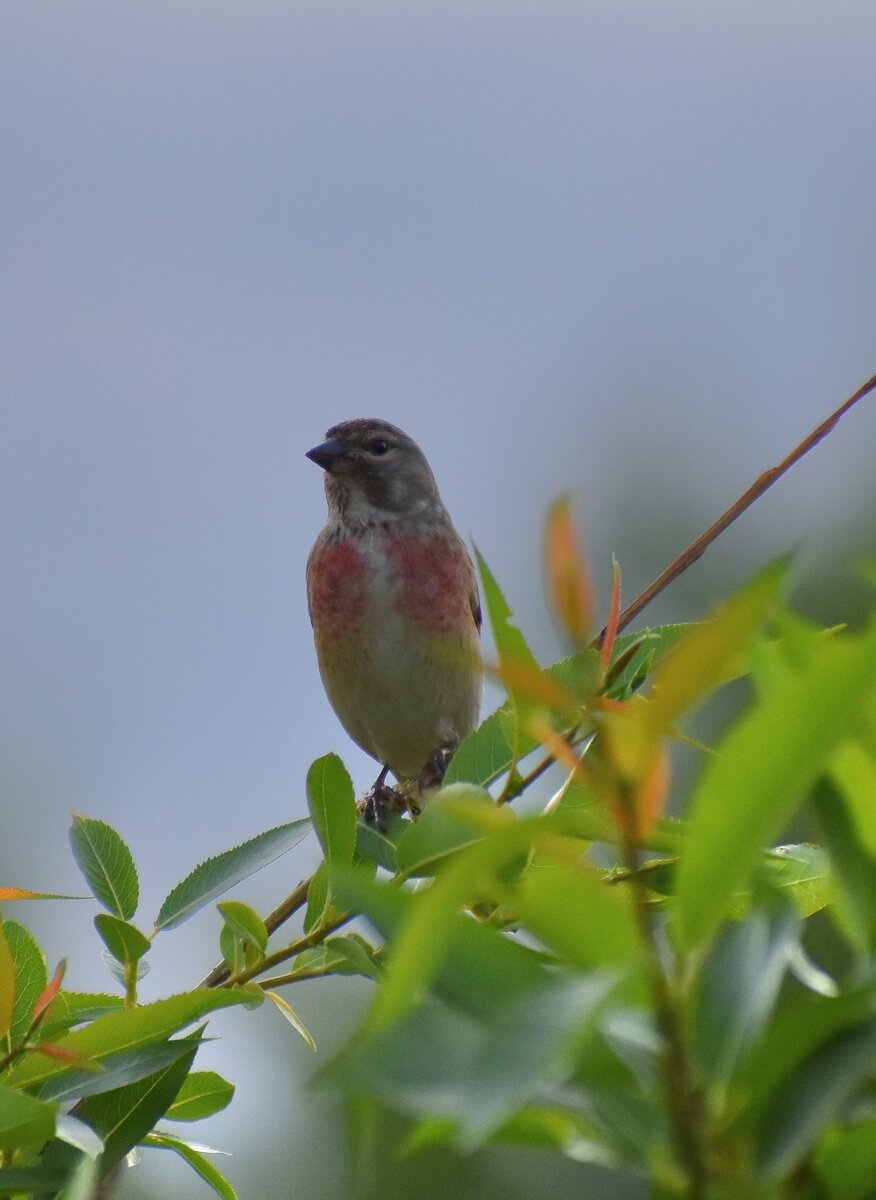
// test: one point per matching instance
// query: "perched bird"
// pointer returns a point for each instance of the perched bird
(394, 605)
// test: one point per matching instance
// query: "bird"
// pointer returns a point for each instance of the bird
(395, 609)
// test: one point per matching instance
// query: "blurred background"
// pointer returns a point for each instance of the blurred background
(623, 248)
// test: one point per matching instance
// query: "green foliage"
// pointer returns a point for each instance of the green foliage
(592, 976)
(657, 1012)
(746, 796)
(86, 1077)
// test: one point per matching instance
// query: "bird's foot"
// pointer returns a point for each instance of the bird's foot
(383, 801)
(432, 775)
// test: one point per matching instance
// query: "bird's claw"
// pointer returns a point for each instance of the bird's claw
(432, 775)
(380, 803)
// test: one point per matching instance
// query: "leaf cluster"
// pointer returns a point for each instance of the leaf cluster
(585, 973)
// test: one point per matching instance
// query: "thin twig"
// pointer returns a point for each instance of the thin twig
(690, 555)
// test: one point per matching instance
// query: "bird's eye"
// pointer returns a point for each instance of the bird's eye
(378, 446)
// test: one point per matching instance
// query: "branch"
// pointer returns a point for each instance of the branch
(295, 948)
(284, 910)
(763, 482)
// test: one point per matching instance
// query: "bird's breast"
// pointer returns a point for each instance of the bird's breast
(432, 585)
(338, 586)
(423, 581)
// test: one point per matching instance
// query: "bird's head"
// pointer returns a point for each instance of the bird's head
(374, 472)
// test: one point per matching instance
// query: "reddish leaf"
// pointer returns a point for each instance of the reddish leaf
(13, 893)
(70, 1057)
(569, 583)
(50, 991)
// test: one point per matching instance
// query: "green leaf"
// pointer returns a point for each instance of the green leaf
(232, 949)
(511, 645)
(580, 916)
(123, 1117)
(355, 956)
(128, 1029)
(812, 1096)
(288, 1013)
(378, 845)
(440, 1065)
(853, 770)
(854, 870)
(474, 966)
(202, 1094)
(216, 875)
(81, 1183)
(107, 864)
(556, 1129)
(245, 923)
(196, 1160)
(652, 646)
(751, 788)
(439, 833)
(34, 1181)
(482, 756)
(800, 872)
(580, 675)
(129, 1066)
(25, 1123)
(7, 985)
(510, 642)
(795, 1035)
(739, 984)
(846, 1164)
(332, 804)
(318, 960)
(30, 976)
(708, 655)
(427, 935)
(124, 941)
(349, 954)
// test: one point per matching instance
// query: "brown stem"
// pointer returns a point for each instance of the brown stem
(685, 1101)
(694, 551)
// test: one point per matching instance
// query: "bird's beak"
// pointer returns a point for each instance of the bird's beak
(327, 453)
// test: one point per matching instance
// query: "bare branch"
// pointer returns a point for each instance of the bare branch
(690, 555)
